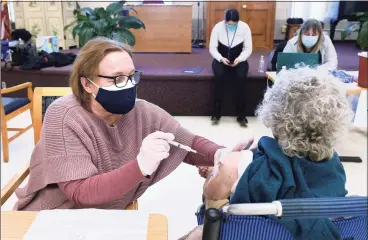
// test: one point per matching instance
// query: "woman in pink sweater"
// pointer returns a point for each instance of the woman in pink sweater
(101, 147)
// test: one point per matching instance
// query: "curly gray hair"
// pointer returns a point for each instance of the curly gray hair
(307, 111)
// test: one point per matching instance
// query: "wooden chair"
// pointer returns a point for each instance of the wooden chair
(11, 107)
(43, 97)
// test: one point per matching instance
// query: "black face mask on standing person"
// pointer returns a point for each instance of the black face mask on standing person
(116, 100)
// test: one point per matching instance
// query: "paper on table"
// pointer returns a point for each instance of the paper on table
(88, 224)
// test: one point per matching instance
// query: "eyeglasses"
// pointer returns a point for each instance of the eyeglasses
(122, 80)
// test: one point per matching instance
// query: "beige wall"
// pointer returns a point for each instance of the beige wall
(283, 9)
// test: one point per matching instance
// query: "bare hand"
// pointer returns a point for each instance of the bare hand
(205, 171)
(236, 62)
(246, 145)
(225, 61)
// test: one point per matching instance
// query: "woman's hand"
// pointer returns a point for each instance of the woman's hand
(221, 154)
(225, 61)
(205, 171)
(236, 62)
(154, 149)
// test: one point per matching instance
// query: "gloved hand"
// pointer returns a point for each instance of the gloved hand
(154, 149)
(223, 152)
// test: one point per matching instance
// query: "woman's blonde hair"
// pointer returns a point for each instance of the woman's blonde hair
(307, 111)
(316, 26)
(87, 62)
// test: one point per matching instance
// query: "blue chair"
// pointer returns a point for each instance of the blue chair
(245, 221)
(11, 107)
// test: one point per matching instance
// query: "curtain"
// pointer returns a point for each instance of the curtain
(312, 9)
(5, 22)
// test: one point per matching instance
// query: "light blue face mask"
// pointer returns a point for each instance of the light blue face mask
(309, 41)
(231, 28)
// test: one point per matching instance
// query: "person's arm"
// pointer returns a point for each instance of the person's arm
(205, 147)
(330, 55)
(220, 186)
(247, 46)
(103, 188)
(214, 44)
(289, 48)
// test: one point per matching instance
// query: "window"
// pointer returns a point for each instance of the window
(311, 9)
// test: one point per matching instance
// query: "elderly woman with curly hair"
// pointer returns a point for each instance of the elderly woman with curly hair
(307, 113)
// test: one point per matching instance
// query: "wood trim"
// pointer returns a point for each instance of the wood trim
(40, 92)
(14, 183)
(4, 133)
(18, 111)
(5, 118)
(132, 206)
(19, 133)
(16, 88)
(272, 31)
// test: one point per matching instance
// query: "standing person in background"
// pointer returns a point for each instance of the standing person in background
(311, 39)
(230, 46)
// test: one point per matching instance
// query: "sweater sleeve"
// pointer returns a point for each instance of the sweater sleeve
(214, 44)
(205, 147)
(247, 45)
(103, 188)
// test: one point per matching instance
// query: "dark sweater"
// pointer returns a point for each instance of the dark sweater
(274, 176)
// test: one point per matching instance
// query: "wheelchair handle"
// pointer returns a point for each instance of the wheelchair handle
(212, 224)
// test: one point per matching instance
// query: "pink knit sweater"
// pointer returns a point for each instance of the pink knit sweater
(80, 161)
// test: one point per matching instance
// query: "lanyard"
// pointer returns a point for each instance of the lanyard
(227, 35)
(228, 41)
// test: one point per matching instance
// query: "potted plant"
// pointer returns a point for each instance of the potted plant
(109, 22)
(361, 27)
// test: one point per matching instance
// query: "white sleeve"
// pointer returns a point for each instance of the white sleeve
(214, 44)
(330, 58)
(247, 46)
(289, 47)
(244, 161)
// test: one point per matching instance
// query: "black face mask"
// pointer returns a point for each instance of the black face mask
(116, 100)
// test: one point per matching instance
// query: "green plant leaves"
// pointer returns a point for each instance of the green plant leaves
(100, 26)
(115, 8)
(131, 22)
(125, 36)
(363, 36)
(107, 22)
(85, 34)
(69, 25)
(100, 13)
(89, 12)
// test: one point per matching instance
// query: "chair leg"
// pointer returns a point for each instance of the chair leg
(31, 111)
(5, 141)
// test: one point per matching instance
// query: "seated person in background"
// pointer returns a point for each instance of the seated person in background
(230, 46)
(307, 114)
(272, 58)
(311, 39)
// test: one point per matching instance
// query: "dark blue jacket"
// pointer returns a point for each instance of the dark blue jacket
(274, 176)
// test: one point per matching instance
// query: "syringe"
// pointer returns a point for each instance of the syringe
(186, 148)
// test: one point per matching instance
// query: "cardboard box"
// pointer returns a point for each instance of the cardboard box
(47, 43)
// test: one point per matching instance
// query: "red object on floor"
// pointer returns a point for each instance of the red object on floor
(363, 72)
